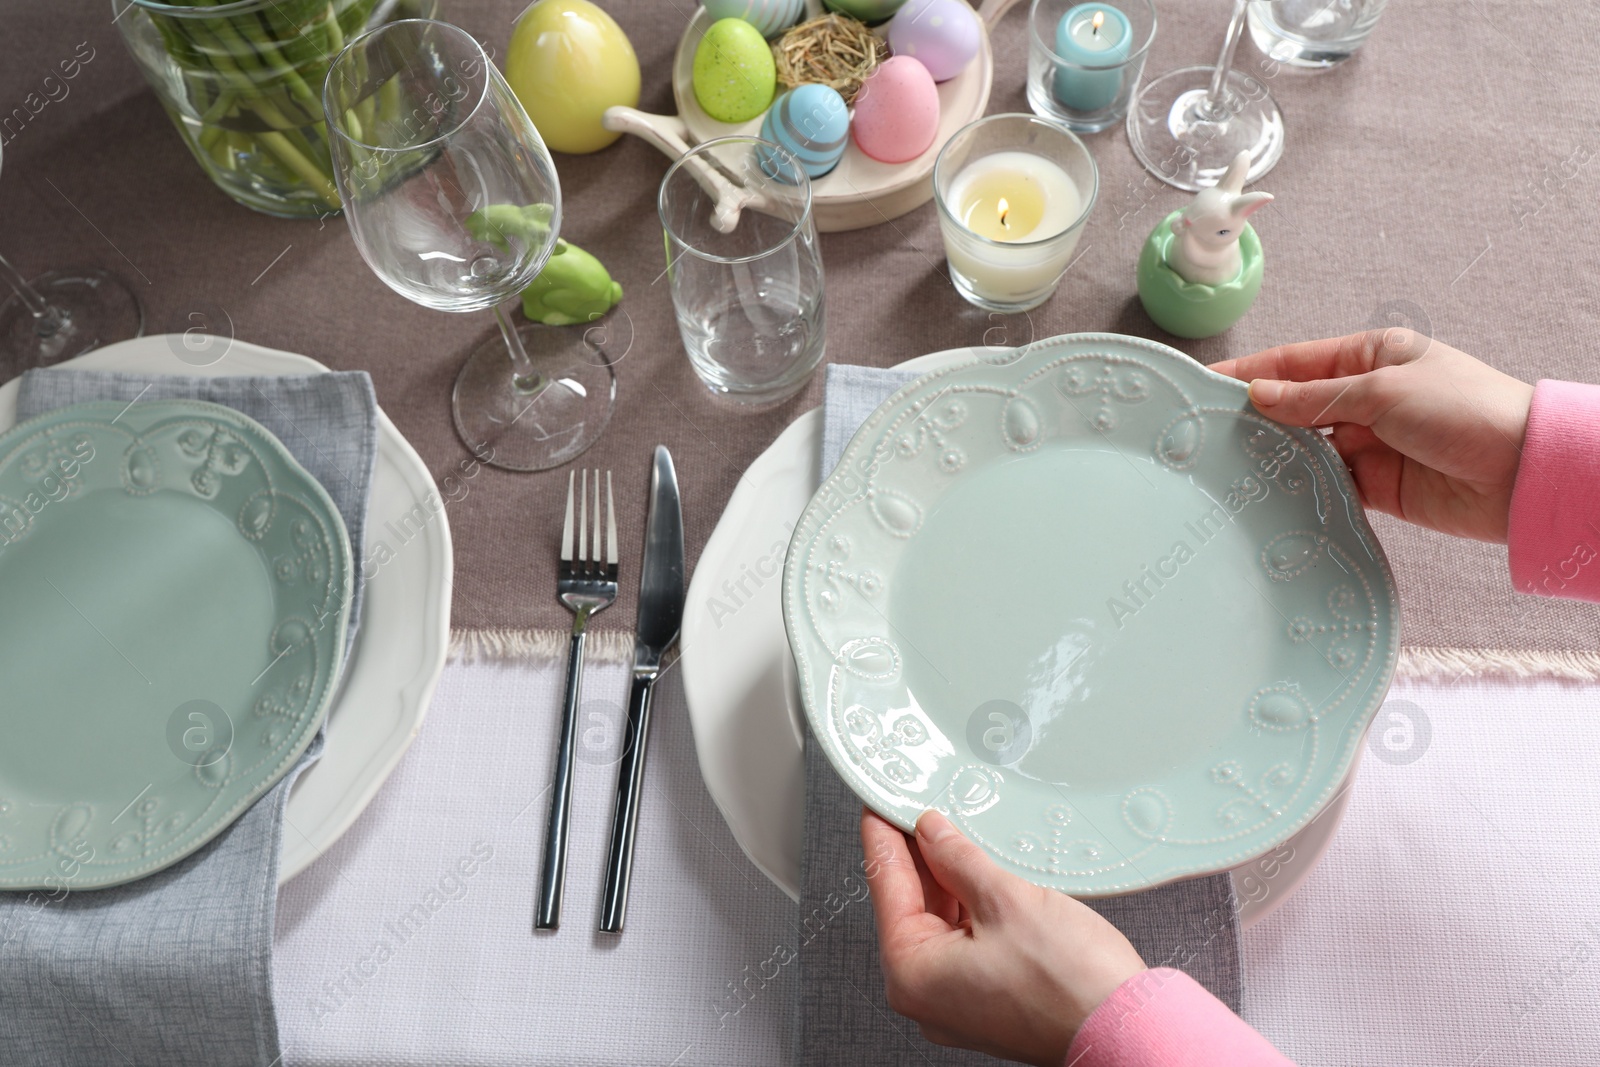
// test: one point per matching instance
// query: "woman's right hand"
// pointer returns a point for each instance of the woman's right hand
(1429, 433)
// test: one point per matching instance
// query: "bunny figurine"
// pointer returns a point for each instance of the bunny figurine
(1201, 267)
(1206, 251)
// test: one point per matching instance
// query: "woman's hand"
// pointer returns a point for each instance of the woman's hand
(979, 957)
(1430, 434)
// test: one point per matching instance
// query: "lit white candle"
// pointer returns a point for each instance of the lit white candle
(1009, 236)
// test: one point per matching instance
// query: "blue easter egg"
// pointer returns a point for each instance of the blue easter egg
(771, 17)
(812, 123)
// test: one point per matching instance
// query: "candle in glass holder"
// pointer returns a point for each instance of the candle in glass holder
(1011, 216)
(1091, 35)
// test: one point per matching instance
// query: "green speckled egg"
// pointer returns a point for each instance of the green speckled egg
(868, 11)
(734, 75)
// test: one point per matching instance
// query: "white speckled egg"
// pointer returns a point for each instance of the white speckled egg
(812, 123)
(897, 111)
(771, 17)
(942, 35)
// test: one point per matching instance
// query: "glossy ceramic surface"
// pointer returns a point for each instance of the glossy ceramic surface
(744, 704)
(1084, 600)
(400, 647)
(181, 589)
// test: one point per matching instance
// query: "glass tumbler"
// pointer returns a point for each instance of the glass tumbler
(1085, 59)
(744, 268)
(1312, 33)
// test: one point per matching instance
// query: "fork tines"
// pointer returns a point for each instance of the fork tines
(588, 565)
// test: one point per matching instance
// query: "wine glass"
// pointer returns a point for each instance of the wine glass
(61, 314)
(1188, 125)
(453, 201)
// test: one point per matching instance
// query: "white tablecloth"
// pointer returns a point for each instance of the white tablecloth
(388, 952)
(1449, 925)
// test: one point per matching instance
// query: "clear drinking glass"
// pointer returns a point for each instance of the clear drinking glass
(744, 267)
(1087, 89)
(1313, 33)
(453, 201)
(62, 313)
(1187, 125)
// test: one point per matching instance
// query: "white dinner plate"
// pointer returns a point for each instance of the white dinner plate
(743, 706)
(404, 631)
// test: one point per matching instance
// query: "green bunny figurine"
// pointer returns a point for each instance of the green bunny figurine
(497, 222)
(573, 287)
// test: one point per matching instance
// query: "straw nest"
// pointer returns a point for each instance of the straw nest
(834, 50)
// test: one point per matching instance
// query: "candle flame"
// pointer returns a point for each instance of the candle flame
(1005, 209)
(1099, 20)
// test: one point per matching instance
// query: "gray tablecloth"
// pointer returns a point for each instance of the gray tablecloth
(1445, 176)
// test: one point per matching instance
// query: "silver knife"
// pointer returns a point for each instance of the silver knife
(661, 595)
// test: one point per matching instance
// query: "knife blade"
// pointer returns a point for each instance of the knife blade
(661, 598)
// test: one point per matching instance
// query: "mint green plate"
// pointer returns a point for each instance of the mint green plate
(1084, 600)
(177, 592)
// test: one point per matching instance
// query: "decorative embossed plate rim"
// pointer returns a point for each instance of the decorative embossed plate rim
(283, 477)
(1218, 396)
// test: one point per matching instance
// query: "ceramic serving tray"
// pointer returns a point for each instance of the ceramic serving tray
(177, 590)
(860, 191)
(1084, 600)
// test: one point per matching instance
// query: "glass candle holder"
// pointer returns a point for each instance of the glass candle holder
(1316, 34)
(1085, 59)
(1014, 192)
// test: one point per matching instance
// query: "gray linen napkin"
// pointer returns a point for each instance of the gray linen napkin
(844, 1016)
(176, 968)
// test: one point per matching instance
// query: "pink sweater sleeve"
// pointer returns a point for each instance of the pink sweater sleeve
(1555, 505)
(1164, 1018)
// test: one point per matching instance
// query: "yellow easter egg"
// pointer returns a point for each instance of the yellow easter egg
(569, 61)
(734, 74)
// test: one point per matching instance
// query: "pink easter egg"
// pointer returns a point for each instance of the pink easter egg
(897, 111)
(942, 35)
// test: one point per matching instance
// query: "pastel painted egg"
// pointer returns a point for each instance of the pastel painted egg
(812, 123)
(568, 61)
(865, 10)
(897, 111)
(942, 35)
(734, 75)
(770, 17)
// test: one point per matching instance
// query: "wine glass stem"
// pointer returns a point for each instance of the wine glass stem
(47, 320)
(1216, 102)
(523, 374)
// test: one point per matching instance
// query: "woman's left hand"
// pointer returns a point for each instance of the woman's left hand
(978, 957)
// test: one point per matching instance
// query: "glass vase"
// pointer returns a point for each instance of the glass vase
(242, 82)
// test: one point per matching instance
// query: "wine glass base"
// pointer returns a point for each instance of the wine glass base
(1178, 139)
(538, 425)
(92, 308)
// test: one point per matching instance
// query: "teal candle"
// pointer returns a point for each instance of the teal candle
(1091, 35)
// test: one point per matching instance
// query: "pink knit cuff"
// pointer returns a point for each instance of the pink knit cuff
(1554, 532)
(1164, 1018)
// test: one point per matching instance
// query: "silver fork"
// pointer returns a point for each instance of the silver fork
(586, 585)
